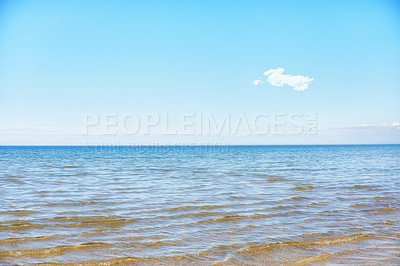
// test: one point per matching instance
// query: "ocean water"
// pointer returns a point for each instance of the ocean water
(237, 205)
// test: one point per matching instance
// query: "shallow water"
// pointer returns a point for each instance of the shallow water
(200, 205)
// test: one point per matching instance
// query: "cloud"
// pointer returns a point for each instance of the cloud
(383, 133)
(257, 82)
(276, 78)
(377, 126)
(27, 131)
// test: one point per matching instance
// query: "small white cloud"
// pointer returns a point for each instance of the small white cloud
(257, 82)
(275, 77)
(375, 126)
(370, 125)
(394, 124)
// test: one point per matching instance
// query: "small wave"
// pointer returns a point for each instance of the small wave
(24, 239)
(296, 198)
(290, 169)
(313, 235)
(233, 174)
(161, 169)
(361, 187)
(157, 244)
(227, 247)
(103, 223)
(19, 225)
(167, 260)
(52, 251)
(283, 207)
(218, 250)
(318, 242)
(303, 188)
(237, 217)
(388, 222)
(189, 208)
(84, 218)
(19, 212)
(199, 171)
(76, 174)
(358, 205)
(130, 238)
(317, 258)
(14, 180)
(277, 179)
(96, 232)
(383, 210)
(267, 176)
(195, 214)
(382, 198)
(76, 203)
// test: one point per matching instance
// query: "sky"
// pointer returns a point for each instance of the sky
(63, 63)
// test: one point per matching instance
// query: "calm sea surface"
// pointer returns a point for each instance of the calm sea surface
(238, 205)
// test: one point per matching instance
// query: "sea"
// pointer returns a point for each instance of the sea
(200, 205)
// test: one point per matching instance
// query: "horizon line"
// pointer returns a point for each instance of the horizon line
(194, 145)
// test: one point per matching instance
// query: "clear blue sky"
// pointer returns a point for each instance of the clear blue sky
(59, 59)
